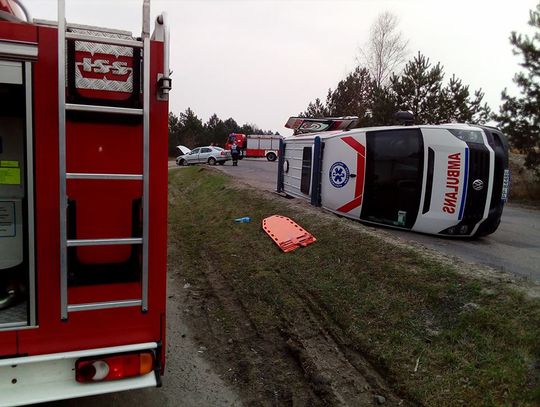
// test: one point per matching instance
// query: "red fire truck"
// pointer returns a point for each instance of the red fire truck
(83, 206)
(255, 145)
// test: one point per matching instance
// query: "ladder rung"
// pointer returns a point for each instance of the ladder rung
(80, 175)
(103, 109)
(103, 305)
(104, 242)
(104, 40)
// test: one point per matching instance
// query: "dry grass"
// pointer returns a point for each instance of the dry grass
(525, 185)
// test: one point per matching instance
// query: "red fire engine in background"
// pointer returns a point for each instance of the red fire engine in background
(255, 145)
(83, 206)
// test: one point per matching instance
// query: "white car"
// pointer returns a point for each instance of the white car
(206, 155)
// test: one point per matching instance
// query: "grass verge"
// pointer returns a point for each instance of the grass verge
(438, 337)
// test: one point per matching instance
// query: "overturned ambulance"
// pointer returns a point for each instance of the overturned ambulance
(447, 179)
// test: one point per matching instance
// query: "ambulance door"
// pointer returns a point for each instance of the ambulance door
(16, 196)
(343, 169)
(394, 174)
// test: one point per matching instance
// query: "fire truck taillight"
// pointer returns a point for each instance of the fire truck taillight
(114, 367)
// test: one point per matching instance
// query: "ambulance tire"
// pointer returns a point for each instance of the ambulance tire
(271, 156)
(212, 161)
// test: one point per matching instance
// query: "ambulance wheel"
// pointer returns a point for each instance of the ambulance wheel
(271, 156)
(212, 161)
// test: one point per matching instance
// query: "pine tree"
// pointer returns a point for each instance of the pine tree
(421, 90)
(383, 107)
(215, 131)
(174, 135)
(457, 105)
(191, 129)
(519, 116)
(418, 89)
(316, 109)
(352, 96)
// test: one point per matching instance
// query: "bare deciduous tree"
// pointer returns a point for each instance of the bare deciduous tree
(386, 49)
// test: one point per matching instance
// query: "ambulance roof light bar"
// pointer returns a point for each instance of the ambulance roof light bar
(303, 125)
(8, 12)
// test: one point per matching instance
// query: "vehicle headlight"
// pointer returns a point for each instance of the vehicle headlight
(468, 136)
(456, 230)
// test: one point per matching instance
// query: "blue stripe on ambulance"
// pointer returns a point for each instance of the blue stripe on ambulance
(465, 183)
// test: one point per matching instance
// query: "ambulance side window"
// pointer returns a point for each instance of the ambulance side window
(305, 181)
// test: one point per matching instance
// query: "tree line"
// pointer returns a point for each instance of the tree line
(519, 116)
(188, 129)
(420, 88)
(384, 82)
(377, 88)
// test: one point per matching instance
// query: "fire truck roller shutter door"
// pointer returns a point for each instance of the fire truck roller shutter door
(12, 186)
(16, 195)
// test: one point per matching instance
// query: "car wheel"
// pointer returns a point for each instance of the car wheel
(271, 156)
(212, 161)
(183, 162)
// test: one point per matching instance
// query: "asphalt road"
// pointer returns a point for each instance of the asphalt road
(514, 247)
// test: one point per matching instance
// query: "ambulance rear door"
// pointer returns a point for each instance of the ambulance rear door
(343, 169)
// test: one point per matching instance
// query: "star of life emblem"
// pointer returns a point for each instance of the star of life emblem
(339, 174)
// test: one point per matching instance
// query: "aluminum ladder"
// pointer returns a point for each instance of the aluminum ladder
(144, 43)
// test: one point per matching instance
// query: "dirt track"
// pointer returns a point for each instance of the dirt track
(302, 365)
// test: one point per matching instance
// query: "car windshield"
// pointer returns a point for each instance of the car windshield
(394, 167)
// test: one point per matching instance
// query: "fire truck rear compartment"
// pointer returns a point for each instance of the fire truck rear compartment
(14, 233)
(83, 205)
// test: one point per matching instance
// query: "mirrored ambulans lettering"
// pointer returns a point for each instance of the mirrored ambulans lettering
(452, 183)
(104, 66)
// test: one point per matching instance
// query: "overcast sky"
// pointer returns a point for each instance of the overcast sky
(263, 61)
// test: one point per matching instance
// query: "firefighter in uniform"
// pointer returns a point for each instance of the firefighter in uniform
(235, 152)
